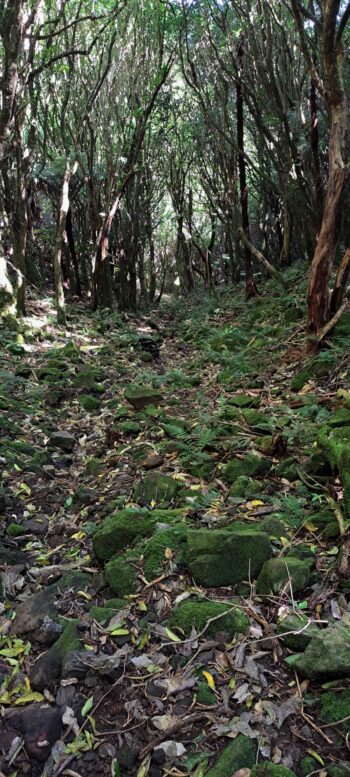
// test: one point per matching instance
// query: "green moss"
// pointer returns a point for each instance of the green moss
(257, 420)
(245, 487)
(94, 466)
(296, 631)
(197, 613)
(339, 770)
(205, 695)
(116, 604)
(121, 576)
(277, 572)
(335, 706)
(15, 530)
(130, 427)
(249, 466)
(245, 400)
(308, 765)
(122, 529)
(340, 418)
(239, 754)
(140, 398)
(174, 539)
(224, 557)
(158, 488)
(89, 403)
(102, 614)
(288, 469)
(270, 769)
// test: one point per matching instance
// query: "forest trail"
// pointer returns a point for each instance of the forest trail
(184, 455)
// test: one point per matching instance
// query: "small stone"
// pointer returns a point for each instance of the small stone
(62, 440)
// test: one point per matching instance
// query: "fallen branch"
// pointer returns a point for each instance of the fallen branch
(262, 259)
(331, 324)
(168, 734)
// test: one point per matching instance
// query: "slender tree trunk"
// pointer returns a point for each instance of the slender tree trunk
(314, 138)
(57, 259)
(284, 258)
(251, 289)
(73, 253)
(101, 274)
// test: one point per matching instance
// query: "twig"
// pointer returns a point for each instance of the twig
(172, 730)
(337, 722)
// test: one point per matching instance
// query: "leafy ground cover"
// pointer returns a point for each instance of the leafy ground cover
(174, 557)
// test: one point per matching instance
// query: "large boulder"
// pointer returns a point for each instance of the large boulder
(224, 557)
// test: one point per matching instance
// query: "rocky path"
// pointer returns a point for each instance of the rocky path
(174, 556)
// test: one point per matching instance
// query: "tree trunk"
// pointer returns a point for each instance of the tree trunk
(284, 258)
(101, 274)
(322, 263)
(64, 207)
(314, 138)
(73, 253)
(20, 229)
(251, 290)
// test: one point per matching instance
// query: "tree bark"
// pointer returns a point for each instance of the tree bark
(251, 290)
(322, 263)
(57, 259)
(73, 253)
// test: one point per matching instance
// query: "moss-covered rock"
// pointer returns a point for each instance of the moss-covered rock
(197, 613)
(327, 654)
(31, 614)
(121, 576)
(65, 441)
(239, 754)
(157, 488)
(269, 769)
(89, 402)
(245, 487)
(223, 557)
(166, 545)
(140, 398)
(15, 530)
(308, 765)
(257, 420)
(102, 614)
(277, 573)
(341, 769)
(296, 631)
(249, 466)
(122, 529)
(94, 466)
(245, 400)
(273, 526)
(340, 418)
(47, 669)
(336, 446)
(288, 469)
